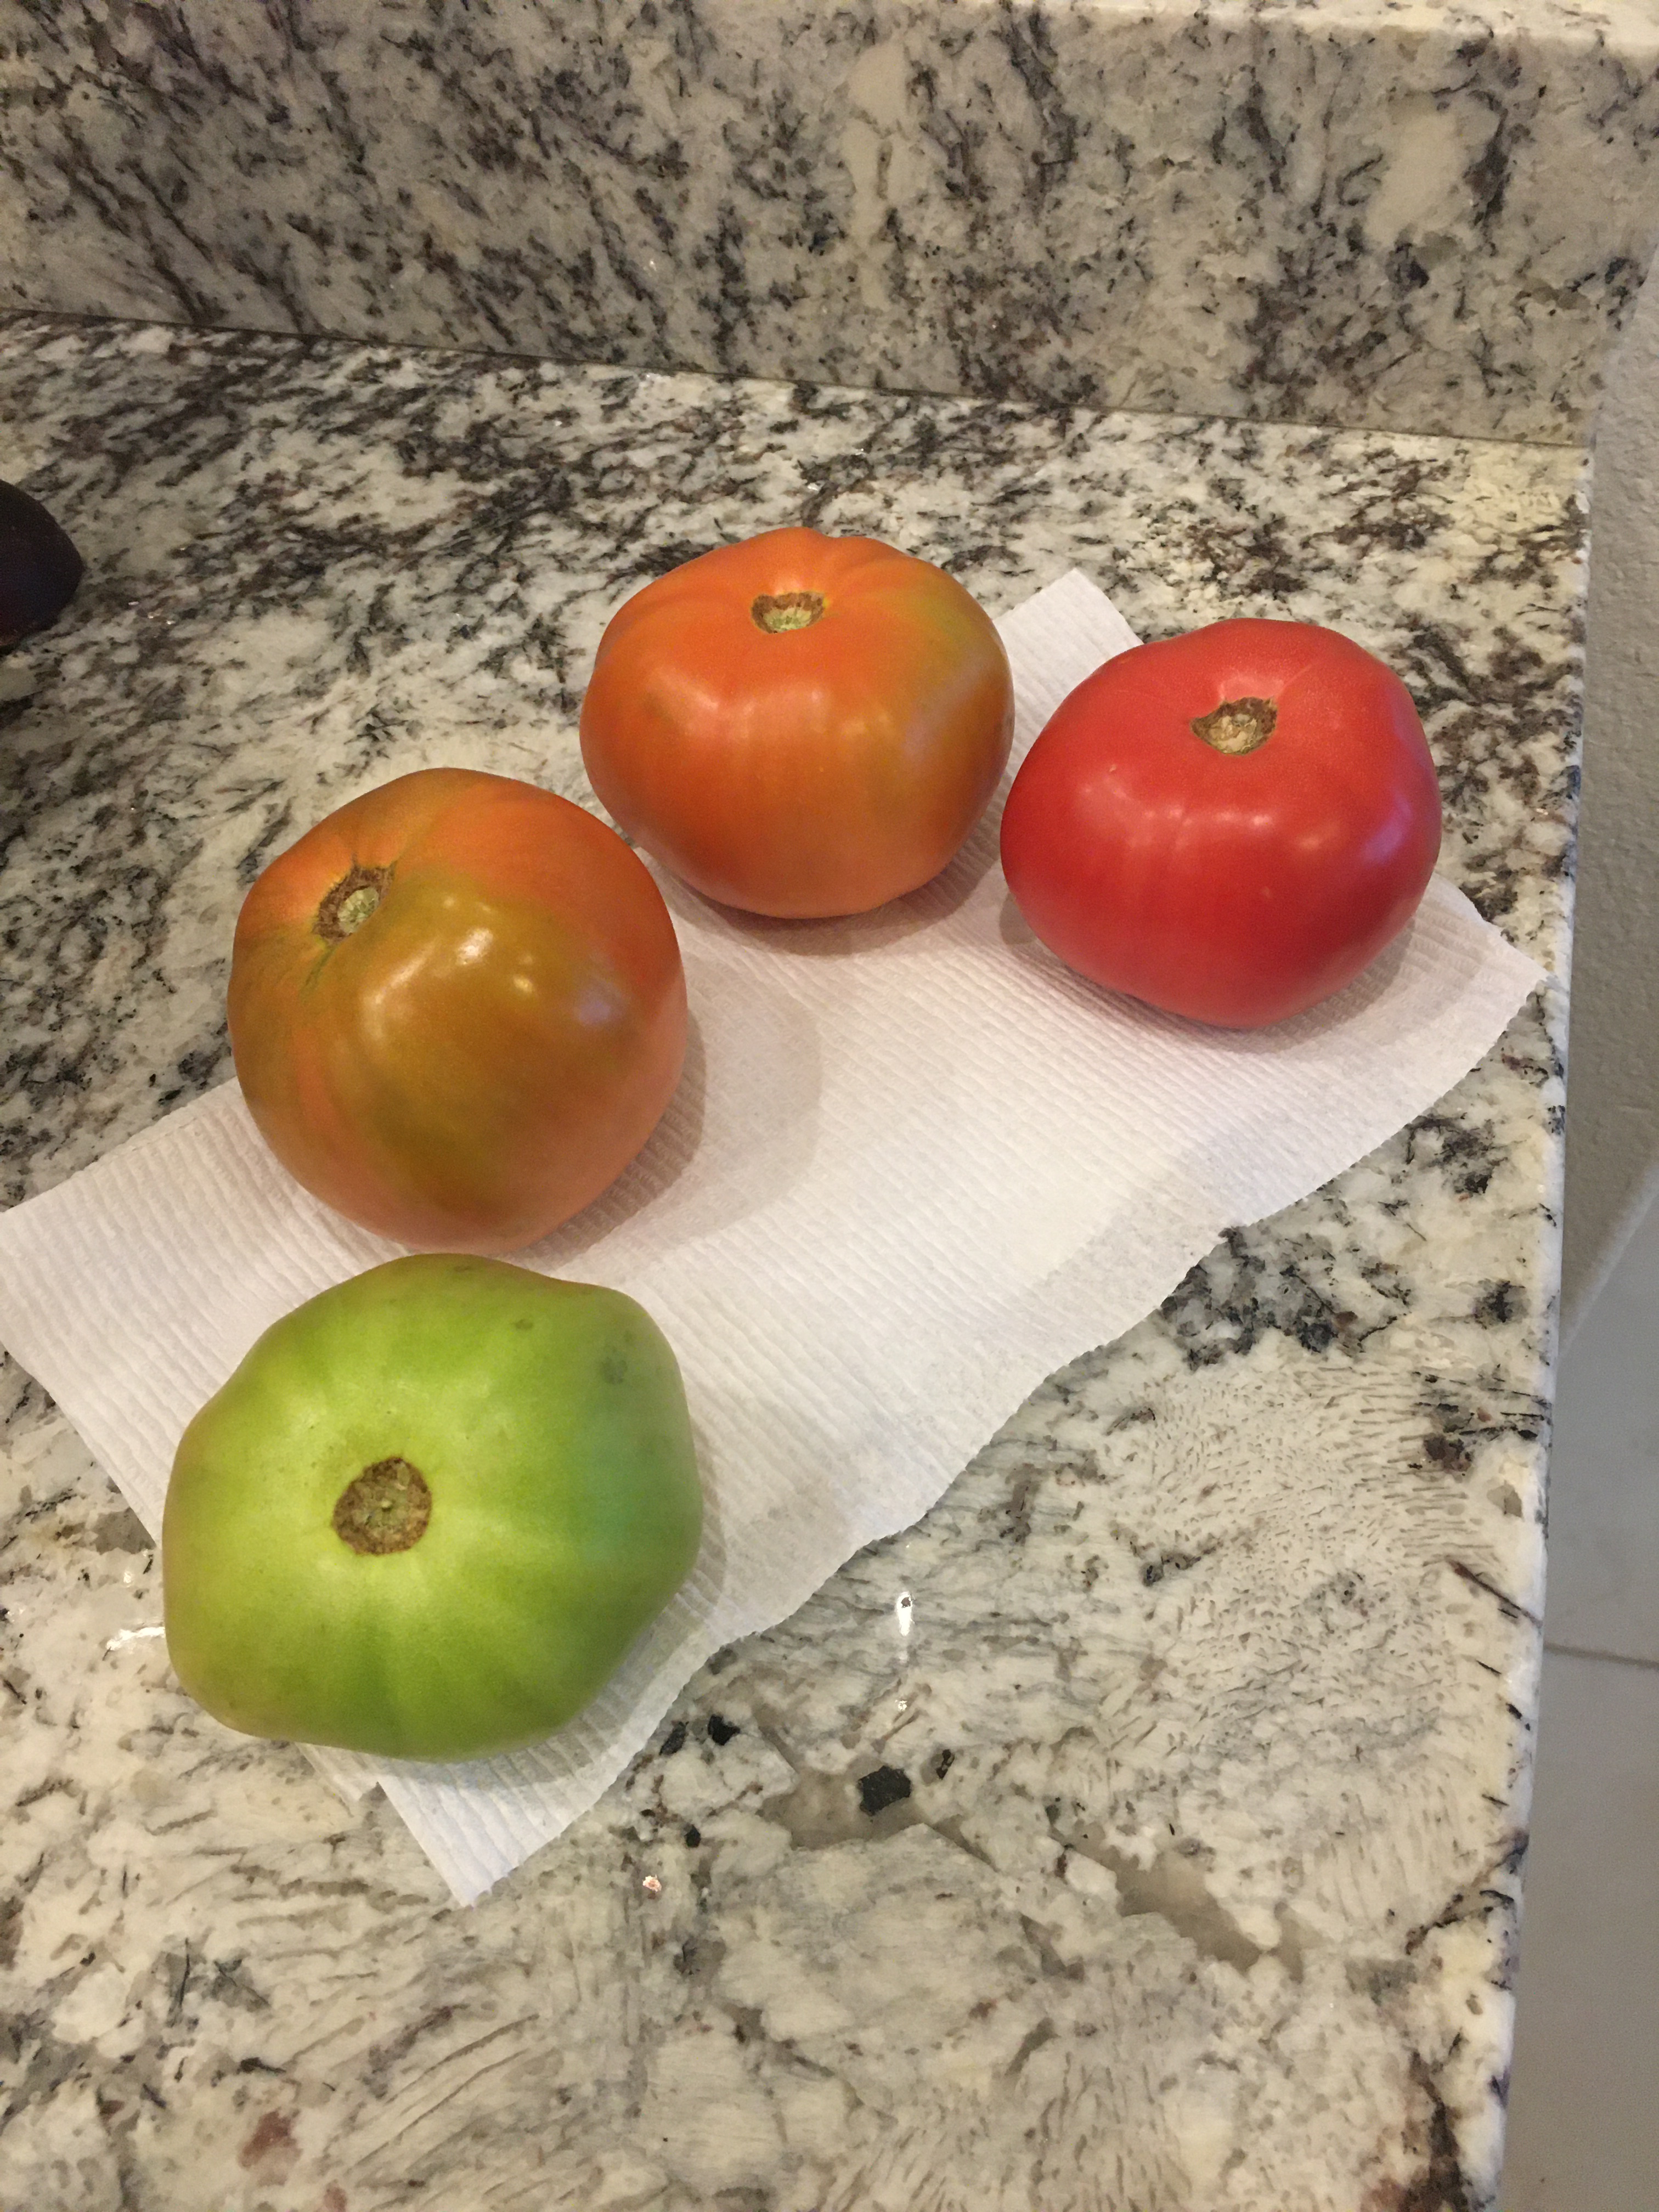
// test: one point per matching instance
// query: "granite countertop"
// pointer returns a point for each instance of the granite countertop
(1171, 1860)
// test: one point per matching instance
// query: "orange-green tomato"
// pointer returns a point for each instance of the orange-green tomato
(799, 725)
(430, 1512)
(457, 1009)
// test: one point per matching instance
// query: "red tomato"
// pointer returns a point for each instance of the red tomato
(1229, 824)
(456, 1008)
(799, 725)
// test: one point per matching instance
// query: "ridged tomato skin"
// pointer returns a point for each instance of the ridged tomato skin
(540, 1429)
(821, 767)
(492, 1041)
(1236, 887)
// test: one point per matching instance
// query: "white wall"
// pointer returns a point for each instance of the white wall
(1612, 1092)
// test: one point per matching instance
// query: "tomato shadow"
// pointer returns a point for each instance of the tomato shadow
(655, 1168)
(772, 1476)
(847, 936)
(1346, 1006)
(737, 1135)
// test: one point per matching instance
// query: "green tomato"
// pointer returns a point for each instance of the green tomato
(430, 1512)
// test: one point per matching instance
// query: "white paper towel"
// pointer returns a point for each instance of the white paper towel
(915, 1167)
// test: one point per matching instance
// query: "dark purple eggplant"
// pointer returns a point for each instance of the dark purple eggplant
(40, 567)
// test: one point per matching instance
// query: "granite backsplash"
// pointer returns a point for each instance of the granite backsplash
(1429, 218)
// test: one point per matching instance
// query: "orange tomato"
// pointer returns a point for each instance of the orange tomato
(456, 1008)
(799, 725)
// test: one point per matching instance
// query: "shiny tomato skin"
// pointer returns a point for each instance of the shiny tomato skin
(485, 1051)
(1235, 888)
(803, 772)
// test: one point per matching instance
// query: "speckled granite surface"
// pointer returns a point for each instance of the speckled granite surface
(1420, 216)
(1171, 1859)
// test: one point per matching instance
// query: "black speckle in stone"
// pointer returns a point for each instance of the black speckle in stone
(1450, 1453)
(1469, 1156)
(1499, 1302)
(942, 1764)
(721, 1729)
(674, 1741)
(887, 1786)
(661, 560)
(1155, 1570)
(1405, 271)
(693, 1836)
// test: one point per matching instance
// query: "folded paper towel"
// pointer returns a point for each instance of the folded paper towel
(913, 1167)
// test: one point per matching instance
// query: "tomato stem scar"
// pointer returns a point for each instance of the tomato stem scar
(351, 902)
(786, 611)
(385, 1508)
(1237, 726)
